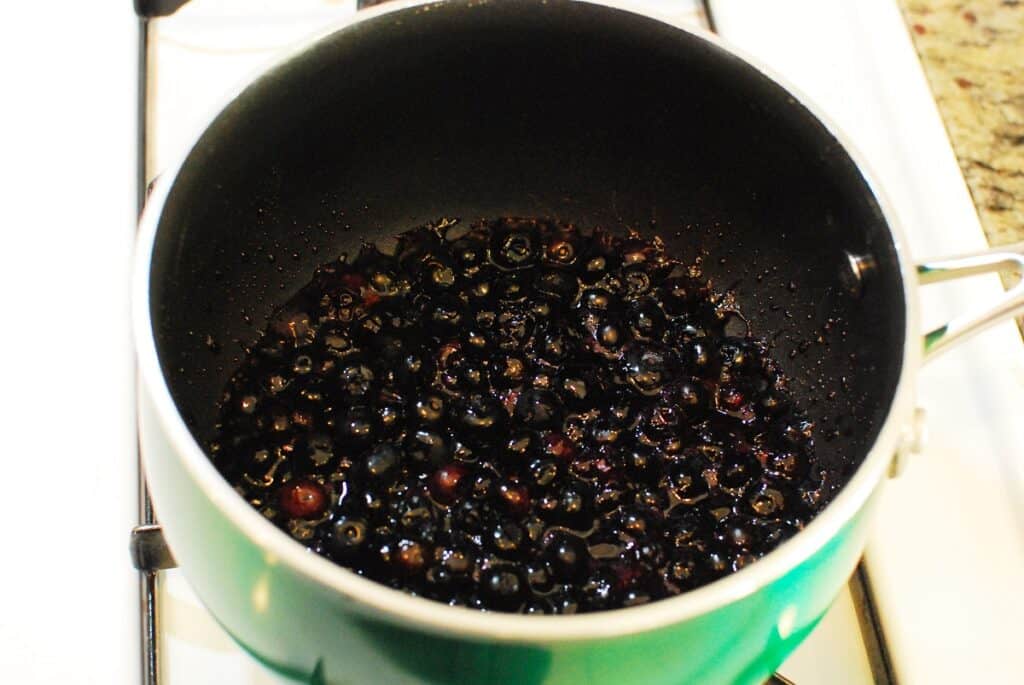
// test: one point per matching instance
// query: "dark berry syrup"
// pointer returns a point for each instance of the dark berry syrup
(519, 416)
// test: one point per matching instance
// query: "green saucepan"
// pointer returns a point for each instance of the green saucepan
(576, 111)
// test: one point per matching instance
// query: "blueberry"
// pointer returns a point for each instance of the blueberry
(767, 501)
(572, 506)
(427, 447)
(646, 320)
(469, 254)
(689, 397)
(577, 391)
(503, 588)
(507, 370)
(479, 417)
(682, 573)
(679, 295)
(515, 498)
(357, 427)
(463, 373)
(543, 472)
(428, 410)
(348, 536)
(697, 357)
(738, 533)
(643, 464)
(515, 245)
(563, 247)
(788, 465)
(559, 284)
(736, 354)
(599, 300)
(646, 369)
(738, 472)
(382, 461)
(539, 409)
(410, 556)
(567, 556)
(445, 316)
(507, 539)
(539, 577)
(598, 591)
(686, 482)
(555, 346)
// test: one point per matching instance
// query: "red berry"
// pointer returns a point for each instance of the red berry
(303, 499)
(732, 399)
(559, 446)
(445, 482)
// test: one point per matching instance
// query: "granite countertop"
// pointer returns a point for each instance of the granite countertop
(973, 55)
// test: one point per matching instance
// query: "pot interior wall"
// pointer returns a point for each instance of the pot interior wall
(571, 111)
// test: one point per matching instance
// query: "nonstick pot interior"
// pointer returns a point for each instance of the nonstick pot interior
(566, 110)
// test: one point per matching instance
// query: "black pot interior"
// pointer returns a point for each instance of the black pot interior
(566, 110)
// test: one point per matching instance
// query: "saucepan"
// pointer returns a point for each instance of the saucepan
(578, 112)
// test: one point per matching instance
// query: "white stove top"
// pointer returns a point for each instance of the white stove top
(947, 559)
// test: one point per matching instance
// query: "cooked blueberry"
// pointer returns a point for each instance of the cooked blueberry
(559, 284)
(739, 471)
(538, 575)
(427, 447)
(381, 461)
(507, 538)
(357, 426)
(516, 498)
(686, 482)
(537, 408)
(518, 416)
(543, 472)
(507, 370)
(479, 416)
(515, 246)
(503, 587)
(563, 247)
(767, 501)
(737, 532)
(428, 409)
(567, 556)
(697, 357)
(348, 536)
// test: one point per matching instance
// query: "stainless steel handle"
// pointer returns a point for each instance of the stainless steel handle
(1009, 258)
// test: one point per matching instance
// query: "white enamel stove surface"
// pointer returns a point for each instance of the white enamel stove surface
(950, 529)
(946, 558)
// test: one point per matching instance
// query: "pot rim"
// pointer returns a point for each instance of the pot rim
(433, 616)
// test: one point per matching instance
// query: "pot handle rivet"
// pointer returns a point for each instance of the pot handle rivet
(149, 550)
(1009, 258)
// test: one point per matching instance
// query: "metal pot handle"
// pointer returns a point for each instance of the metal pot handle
(1002, 259)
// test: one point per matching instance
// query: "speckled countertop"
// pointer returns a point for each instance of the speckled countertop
(973, 55)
